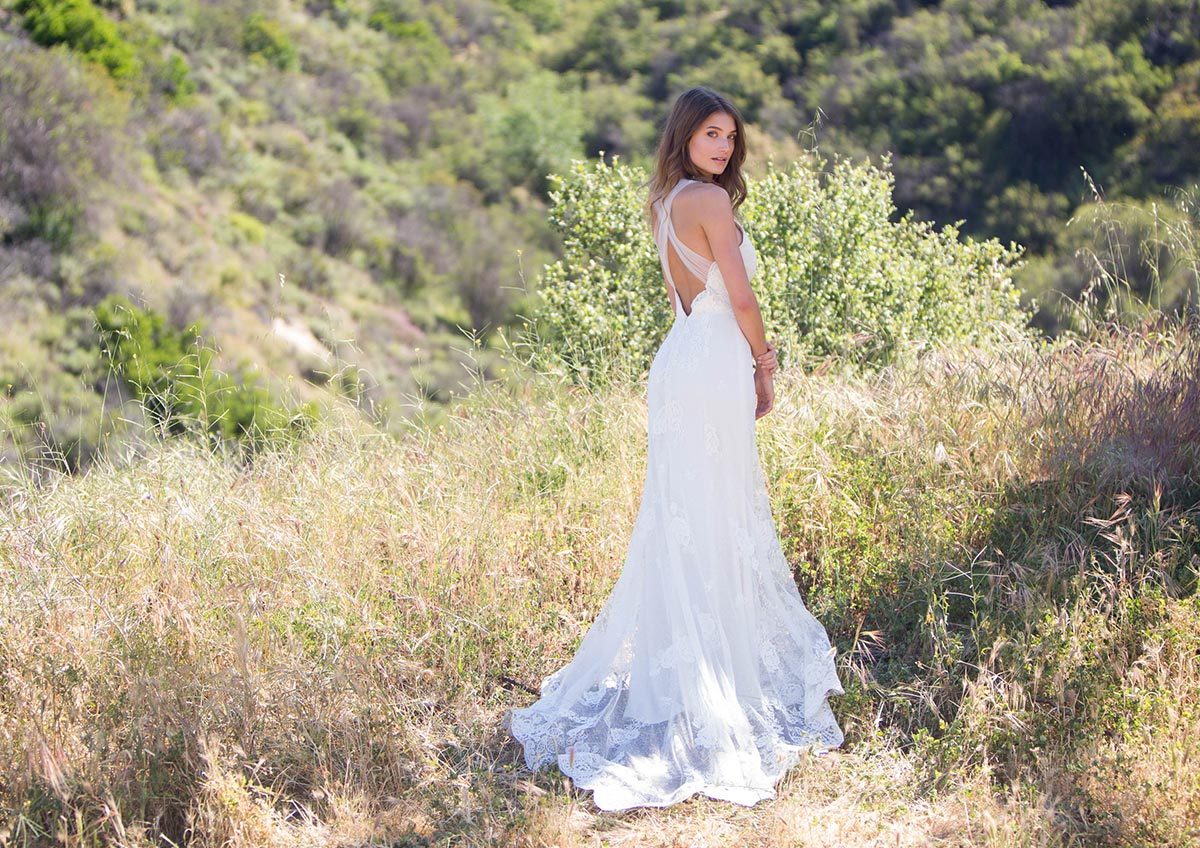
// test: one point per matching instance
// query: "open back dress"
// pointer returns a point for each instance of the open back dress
(703, 671)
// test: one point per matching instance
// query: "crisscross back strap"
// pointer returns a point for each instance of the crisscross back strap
(665, 234)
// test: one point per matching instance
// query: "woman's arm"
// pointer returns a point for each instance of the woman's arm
(716, 218)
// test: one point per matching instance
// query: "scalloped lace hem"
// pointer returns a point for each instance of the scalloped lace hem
(617, 786)
(611, 796)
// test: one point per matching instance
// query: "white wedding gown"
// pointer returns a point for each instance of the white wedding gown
(703, 671)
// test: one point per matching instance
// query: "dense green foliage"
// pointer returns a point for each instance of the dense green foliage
(83, 28)
(835, 275)
(172, 373)
(263, 38)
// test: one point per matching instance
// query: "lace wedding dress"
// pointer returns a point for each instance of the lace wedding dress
(703, 671)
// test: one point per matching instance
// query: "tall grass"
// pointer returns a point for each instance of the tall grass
(315, 645)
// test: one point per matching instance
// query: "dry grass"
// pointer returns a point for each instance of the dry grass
(315, 648)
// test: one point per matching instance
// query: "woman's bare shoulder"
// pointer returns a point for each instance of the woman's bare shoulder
(707, 203)
(706, 198)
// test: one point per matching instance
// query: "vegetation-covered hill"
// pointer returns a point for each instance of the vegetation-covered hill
(337, 189)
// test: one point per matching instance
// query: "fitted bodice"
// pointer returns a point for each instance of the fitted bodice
(714, 297)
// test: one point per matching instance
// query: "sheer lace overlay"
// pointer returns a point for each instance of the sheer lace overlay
(703, 671)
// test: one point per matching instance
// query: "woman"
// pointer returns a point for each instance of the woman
(703, 672)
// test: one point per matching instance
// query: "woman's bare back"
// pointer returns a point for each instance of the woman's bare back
(686, 219)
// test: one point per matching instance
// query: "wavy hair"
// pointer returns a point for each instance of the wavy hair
(672, 162)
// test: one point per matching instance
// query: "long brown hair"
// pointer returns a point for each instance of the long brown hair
(672, 162)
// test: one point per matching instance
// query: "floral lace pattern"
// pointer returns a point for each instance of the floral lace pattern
(703, 671)
(712, 442)
(680, 530)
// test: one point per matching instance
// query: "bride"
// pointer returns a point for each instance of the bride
(703, 671)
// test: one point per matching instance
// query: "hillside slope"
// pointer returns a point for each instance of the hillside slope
(339, 189)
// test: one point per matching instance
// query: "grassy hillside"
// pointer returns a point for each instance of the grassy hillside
(315, 648)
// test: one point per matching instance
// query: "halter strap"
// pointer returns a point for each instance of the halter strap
(665, 234)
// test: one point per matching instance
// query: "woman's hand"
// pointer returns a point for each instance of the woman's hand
(764, 389)
(766, 360)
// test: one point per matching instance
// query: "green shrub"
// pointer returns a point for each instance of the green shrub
(172, 373)
(246, 229)
(84, 29)
(531, 129)
(263, 37)
(176, 79)
(545, 15)
(422, 56)
(835, 276)
(1129, 257)
(386, 20)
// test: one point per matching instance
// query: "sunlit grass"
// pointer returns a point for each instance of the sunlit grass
(316, 645)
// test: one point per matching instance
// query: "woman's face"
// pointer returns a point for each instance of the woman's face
(712, 144)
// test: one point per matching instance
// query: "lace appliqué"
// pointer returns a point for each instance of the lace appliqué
(677, 654)
(712, 442)
(680, 529)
